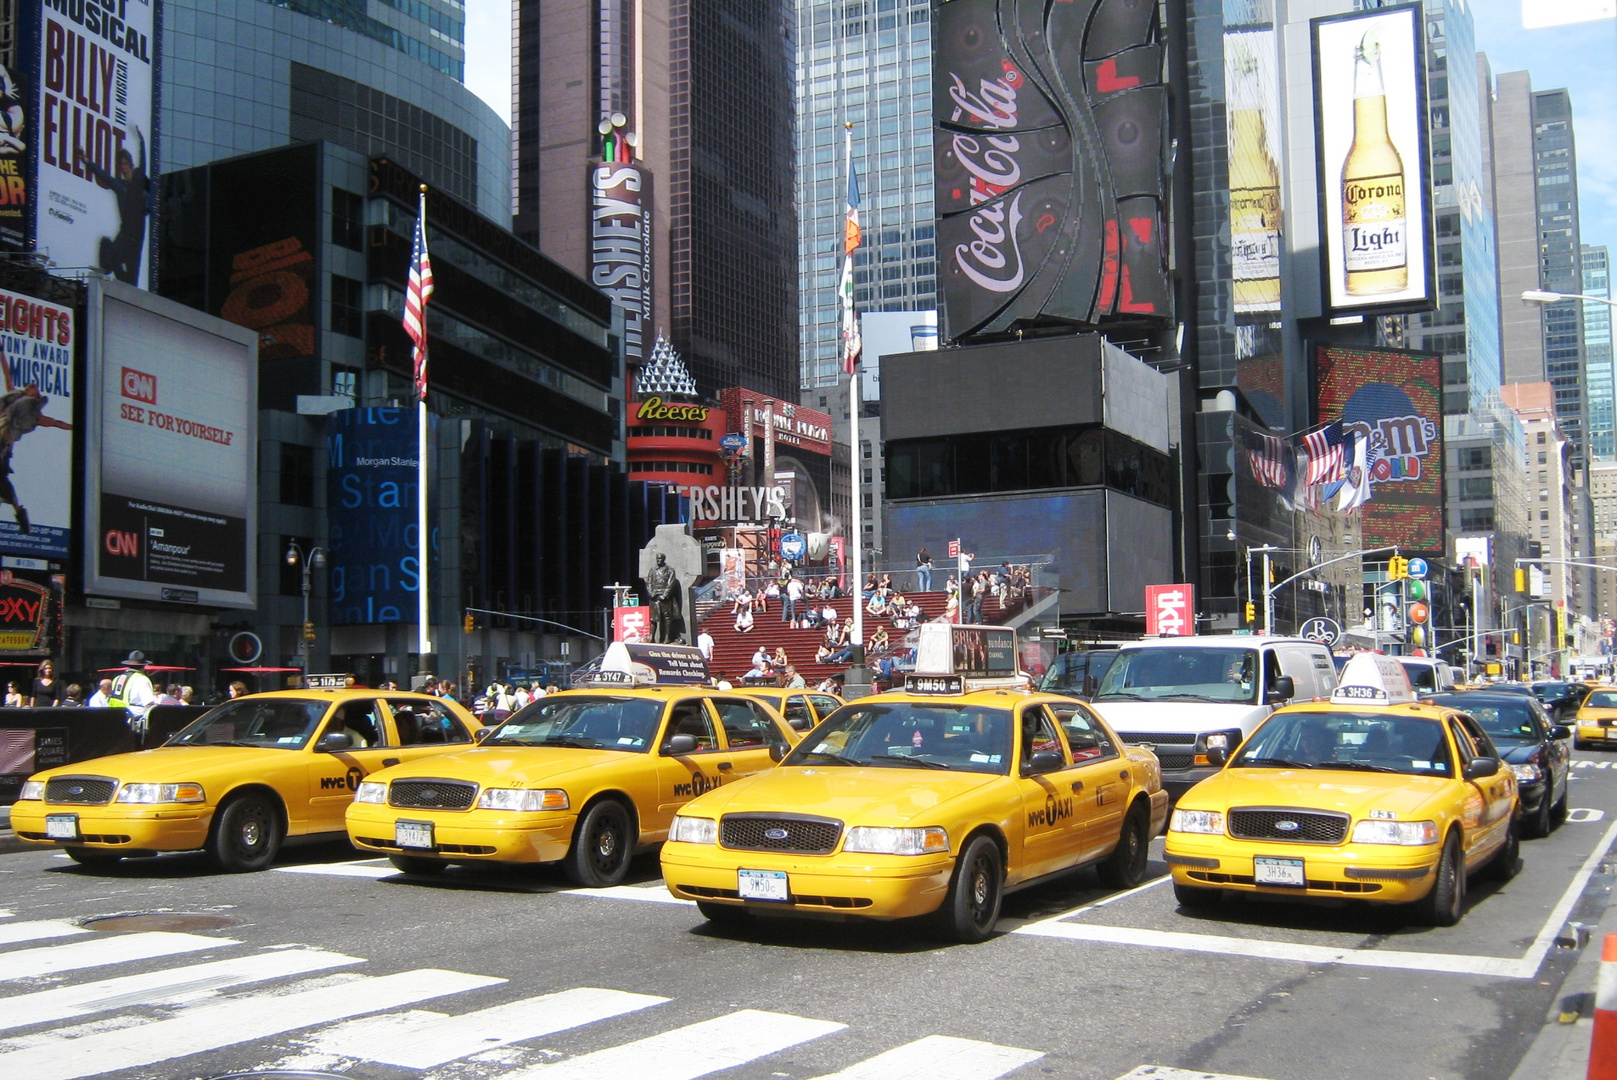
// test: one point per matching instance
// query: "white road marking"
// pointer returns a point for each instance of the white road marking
(238, 1020)
(13, 933)
(1162, 1072)
(1585, 816)
(725, 1042)
(101, 951)
(658, 895)
(939, 1057)
(162, 987)
(5, 913)
(423, 1041)
(342, 869)
(1558, 915)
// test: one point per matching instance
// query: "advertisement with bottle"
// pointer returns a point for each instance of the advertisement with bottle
(1375, 212)
(1254, 124)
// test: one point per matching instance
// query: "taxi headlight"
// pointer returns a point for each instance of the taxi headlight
(877, 840)
(1197, 821)
(1528, 772)
(1407, 833)
(694, 830)
(372, 792)
(160, 793)
(31, 789)
(526, 799)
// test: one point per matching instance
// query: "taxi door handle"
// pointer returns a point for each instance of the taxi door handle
(389, 761)
(725, 766)
(1077, 786)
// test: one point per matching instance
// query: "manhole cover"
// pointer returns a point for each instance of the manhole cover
(161, 920)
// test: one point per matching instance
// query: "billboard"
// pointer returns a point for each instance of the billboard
(1394, 398)
(38, 340)
(94, 91)
(1170, 610)
(14, 161)
(1253, 123)
(1371, 134)
(372, 545)
(620, 249)
(171, 503)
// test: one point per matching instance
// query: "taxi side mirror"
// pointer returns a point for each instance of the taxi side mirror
(337, 740)
(776, 751)
(1480, 768)
(1045, 761)
(680, 744)
(1560, 731)
(1217, 755)
(481, 733)
(1285, 689)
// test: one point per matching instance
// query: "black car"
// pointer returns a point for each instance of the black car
(1530, 742)
(1561, 698)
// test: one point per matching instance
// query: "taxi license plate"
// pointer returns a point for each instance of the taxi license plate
(412, 834)
(62, 826)
(762, 885)
(1279, 872)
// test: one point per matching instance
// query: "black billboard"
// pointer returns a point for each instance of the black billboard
(1049, 163)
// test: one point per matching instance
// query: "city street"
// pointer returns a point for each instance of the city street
(334, 963)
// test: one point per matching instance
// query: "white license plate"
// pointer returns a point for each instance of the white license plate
(62, 826)
(762, 885)
(1279, 872)
(412, 834)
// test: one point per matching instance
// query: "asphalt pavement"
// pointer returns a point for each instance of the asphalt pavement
(335, 962)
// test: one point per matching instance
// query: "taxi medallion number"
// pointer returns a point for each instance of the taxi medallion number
(1279, 872)
(762, 885)
(62, 826)
(413, 834)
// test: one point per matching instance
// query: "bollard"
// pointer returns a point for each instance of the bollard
(1603, 1046)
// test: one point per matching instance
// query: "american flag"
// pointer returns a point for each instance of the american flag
(1326, 453)
(416, 297)
(852, 346)
(1266, 455)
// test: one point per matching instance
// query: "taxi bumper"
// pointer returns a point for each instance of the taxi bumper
(1588, 731)
(466, 835)
(872, 886)
(116, 827)
(1384, 874)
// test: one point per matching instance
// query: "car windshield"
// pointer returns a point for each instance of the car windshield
(589, 721)
(277, 723)
(1505, 719)
(1551, 693)
(1422, 677)
(911, 735)
(1347, 741)
(1602, 699)
(1181, 674)
(1068, 671)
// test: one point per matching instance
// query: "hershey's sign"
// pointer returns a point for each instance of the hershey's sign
(620, 248)
(714, 503)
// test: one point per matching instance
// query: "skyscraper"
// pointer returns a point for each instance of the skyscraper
(1601, 380)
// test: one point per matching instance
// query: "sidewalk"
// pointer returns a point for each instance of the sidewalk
(1561, 1049)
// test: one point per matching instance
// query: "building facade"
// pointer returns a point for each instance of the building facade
(1600, 376)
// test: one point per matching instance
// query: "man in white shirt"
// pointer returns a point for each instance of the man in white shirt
(704, 642)
(794, 597)
(98, 700)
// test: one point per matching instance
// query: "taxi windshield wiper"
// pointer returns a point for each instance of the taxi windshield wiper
(570, 740)
(923, 762)
(1274, 763)
(509, 740)
(1360, 766)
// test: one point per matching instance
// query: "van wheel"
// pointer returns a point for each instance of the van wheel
(1125, 867)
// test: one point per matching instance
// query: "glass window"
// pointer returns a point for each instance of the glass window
(277, 723)
(902, 734)
(1349, 742)
(1086, 738)
(747, 725)
(1180, 673)
(691, 718)
(593, 721)
(347, 219)
(360, 720)
(1039, 736)
(424, 722)
(297, 475)
(347, 303)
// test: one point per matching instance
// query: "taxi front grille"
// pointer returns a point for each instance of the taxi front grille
(1288, 826)
(1313, 886)
(431, 794)
(779, 832)
(797, 900)
(80, 790)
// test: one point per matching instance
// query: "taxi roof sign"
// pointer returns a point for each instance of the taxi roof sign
(335, 681)
(1373, 677)
(649, 664)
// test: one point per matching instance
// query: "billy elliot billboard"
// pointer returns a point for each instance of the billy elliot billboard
(1049, 148)
(1393, 397)
(92, 74)
(620, 248)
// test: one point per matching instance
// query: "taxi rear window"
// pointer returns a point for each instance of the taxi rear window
(1349, 742)
(585, 721)
(918, 735)
(274, 723)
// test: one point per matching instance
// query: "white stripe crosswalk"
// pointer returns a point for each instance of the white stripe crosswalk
(940, 1057)
(13, 933)
(102, 951)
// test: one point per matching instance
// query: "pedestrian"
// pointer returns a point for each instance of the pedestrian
(170, 695)
(794, 598)
(237, 689)
(704, 642)
(14, 696)
(188, 695)
(133, 690)
(103, 690)
(923, 570)
(794, 681)
(48, 689)
(73, 696)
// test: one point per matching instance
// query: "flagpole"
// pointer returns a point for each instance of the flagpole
(855, 458)
(423, 537)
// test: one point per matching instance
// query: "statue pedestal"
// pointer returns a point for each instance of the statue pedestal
(856, 682)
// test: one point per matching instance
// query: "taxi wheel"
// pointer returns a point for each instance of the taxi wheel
(972, 907)
(416, 864)
(1444, 905)
(1125, 867)
(246, 835)
(1507, 861)
(722, 914)
(602, 847)
(92, 857)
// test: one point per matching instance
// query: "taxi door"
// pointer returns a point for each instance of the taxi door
(424, 727)
(1490, 801)
(1102, 777)
(1052, 828)
(334, 775)
(753, 740)
(682, 777)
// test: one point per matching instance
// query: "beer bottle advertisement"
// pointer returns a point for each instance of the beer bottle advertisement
(1255, 221)
(1375, 213)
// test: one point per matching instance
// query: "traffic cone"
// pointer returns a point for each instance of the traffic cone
(1603, 1047)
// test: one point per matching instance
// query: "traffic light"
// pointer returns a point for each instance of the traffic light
(1397, 568)
(1251, 612)
(308, 631)
(1521, 579)
(468, 622)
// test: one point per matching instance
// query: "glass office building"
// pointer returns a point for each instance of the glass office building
(1600, 379)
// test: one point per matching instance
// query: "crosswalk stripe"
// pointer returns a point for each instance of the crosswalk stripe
(421, 1042)
(5, 913)
(101, 951)
(940, 1057)
(162, 987)
(1162, 1072)
(226, 1023)
(710, 1046)
(359, 870)
(15, 933)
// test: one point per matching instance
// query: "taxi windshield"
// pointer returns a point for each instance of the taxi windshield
(911, 735)
(1601, 699)
(585, 721)
(276, 723)
(1173, 673)
(1348, 742)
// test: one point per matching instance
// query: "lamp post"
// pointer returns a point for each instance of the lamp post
(1544, 296)
(313, 559)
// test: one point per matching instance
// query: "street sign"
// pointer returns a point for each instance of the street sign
(631, 624)
(954, 549)
(1418, 568)
(733, 441)
(1325, 631)
(1055, 633)
(1170, 610)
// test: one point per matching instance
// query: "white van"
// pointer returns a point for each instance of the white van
(1188, 694)
(1428, 676)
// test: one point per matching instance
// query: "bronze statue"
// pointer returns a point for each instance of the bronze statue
(663, 588)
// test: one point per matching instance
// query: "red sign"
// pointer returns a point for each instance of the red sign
(1170, 610)
(954, 549)
(631, 624)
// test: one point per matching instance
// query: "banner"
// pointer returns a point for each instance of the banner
(15, 137)
(372, 545)
(1170, 610)
(620, 249)
(38, 341)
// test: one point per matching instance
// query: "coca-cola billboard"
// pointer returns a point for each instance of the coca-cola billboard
(1048, 167)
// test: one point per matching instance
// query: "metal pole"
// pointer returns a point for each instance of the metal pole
(1268, 596)
(303, 631)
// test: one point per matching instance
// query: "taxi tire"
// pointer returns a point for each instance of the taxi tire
(1445, 904)
(418, 865)
(246, 834)
(92, 856)
(1561, 808)
(1125, 867)
(607, 823)
(971, 909)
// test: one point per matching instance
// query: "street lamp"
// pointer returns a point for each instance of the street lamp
(1544, 296)
(313, 559)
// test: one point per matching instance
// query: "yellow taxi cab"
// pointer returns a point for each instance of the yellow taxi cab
(1372, 795)
(584, 777)
(799, 707)
(1596, 721)
(930, 800)
(241, 778)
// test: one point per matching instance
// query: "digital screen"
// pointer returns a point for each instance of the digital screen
(373, 549)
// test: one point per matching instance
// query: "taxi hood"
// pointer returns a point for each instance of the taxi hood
(176, 764)
(508, 766)
(859, 795)
(1351, 793)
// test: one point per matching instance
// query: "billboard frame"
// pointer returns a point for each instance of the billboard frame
(1330, 224)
